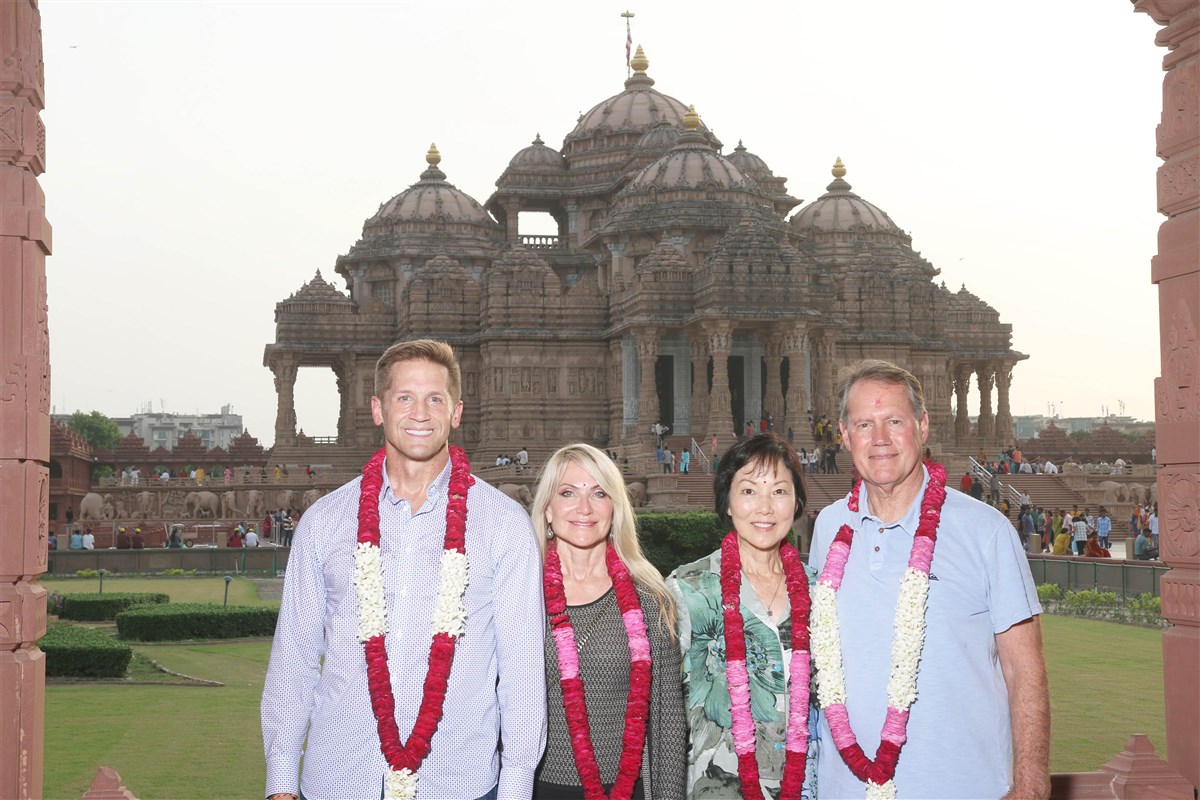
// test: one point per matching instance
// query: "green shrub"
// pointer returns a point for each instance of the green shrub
(669, 540)
(93, 607)
(86, 573)
(1049, 591)
(183, 621)
(76, 651)
(173, 573)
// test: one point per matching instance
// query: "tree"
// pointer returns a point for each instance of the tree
(99, 431)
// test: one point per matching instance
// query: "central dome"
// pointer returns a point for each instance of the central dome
(690, 164)
(639, 108)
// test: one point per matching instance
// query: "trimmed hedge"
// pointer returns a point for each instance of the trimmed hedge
(670, 540)
(182, 621)
(95, 607)
(79, 652)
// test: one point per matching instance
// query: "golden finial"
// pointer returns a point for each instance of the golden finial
(433, 157)
(691, 120)
(640, 63)
(839, 169)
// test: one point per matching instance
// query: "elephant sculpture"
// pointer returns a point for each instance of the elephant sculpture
(145, 505)
(285, 498)
(229, 507)
(310, 497)
(201, 505)
(91, 507)
(256, 504)
(517, 492)
(638, 496)
(1113, 492)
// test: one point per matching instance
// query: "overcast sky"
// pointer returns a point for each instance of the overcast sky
(205, 159)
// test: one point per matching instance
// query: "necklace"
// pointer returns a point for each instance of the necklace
(907, 644)
(572, 682)
(449, 618)
(778, 585)
(796, 739)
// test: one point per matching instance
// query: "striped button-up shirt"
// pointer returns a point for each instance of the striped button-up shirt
(316, 683)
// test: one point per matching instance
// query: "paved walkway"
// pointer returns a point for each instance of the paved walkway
(268, 588)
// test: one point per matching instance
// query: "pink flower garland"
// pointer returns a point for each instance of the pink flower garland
(401, 755)
(636, 711)
(895, 725)
(796, 738)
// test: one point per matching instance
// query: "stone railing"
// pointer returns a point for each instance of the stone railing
(541, 242)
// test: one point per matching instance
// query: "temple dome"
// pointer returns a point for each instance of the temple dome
(691, 164)
(662, 136)
(747, 162)
(430, 198)
(840, 209)
(640, 107)
(537, 156)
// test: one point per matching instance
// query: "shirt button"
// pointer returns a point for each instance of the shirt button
(881, 530)
(876, 548)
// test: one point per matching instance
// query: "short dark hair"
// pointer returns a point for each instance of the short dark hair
(765, 449)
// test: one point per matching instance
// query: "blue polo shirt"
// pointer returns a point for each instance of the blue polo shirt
(959, 733)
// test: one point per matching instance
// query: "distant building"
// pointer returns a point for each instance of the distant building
(1028, 426)
(165, 430)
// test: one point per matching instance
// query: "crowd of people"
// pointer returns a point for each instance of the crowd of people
(403, 663)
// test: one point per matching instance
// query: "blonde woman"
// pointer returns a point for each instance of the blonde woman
(614, 699)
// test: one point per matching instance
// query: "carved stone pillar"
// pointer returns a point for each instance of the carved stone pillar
(647, 351)
(826, 350)
(24, 400)
(796, 403)
(720, 404)
(773, 398)
(616, 391)
(986, 376)
(699, 386)
(344, 372)
(962, 387)
(285, 414)
(1176, 271)
(1004, 420)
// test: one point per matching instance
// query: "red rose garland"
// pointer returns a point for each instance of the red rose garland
(408, 756)
(796, 739)
(637, 708)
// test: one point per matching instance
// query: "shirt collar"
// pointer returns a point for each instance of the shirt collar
(435, 494)
(909, 522)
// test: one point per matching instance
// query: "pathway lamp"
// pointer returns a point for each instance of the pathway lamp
(102, 571)
(228, 580)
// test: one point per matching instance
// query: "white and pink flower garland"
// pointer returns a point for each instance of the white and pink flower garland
(449, 618)
(574, 703)
(738, 677)
(907, 643)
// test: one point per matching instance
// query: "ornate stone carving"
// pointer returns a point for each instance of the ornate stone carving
(1179, 496)
(1179, 394)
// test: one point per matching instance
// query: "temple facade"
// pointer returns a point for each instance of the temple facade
(677, 289)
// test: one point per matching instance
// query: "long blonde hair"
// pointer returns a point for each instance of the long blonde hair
(622, 534)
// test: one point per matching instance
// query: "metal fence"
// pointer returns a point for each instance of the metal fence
(1100, 574)
(232, 560)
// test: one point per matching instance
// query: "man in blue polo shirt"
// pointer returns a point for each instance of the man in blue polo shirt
(980, 725)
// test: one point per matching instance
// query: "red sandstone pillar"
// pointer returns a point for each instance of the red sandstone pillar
(24, 400)
(648, 411)
(1176, 271)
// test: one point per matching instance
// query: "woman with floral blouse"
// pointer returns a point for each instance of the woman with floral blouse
(758, 745)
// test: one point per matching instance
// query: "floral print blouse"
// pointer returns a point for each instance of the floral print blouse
(712, 763)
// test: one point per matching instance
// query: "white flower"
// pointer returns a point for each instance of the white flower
(400, 785)
(826, 646)
(449, 613)
(368, 590)
(908, 640)
(886, 791)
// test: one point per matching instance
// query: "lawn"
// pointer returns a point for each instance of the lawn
(199, 742)
(200, 589)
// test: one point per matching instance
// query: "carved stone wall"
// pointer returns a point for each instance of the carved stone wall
(24, 399)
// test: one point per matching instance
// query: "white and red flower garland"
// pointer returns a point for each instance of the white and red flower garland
(907, 643)
(449, 618)
(796, 738)
(637, 707)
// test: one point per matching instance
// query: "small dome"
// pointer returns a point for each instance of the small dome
(747, 162)
(840, 209)
(662, 136)
(431, 198)
(690, 164)
(538, 156)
